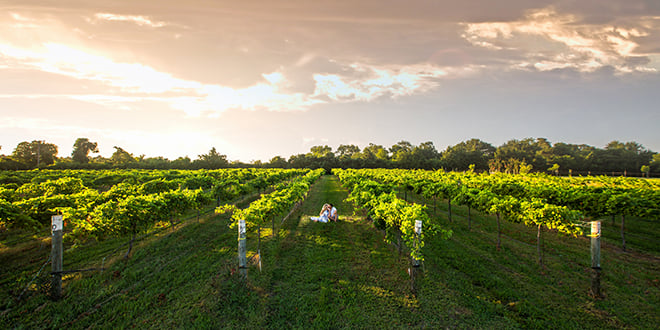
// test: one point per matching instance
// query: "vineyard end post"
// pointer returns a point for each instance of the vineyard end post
(259, 245)
(595, 258)
(56, 257)
(414, 270)
(242, 249)
(418, 234)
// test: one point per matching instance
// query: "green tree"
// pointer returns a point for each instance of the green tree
(425, 156)
(181, 162)
(574, 156)
(321, 151)
(212, 160)
(472, 152)
(348, 151)
(322, 156)
(348, 156)
(655, 163)
(554, 169)
(302, 161)
(515, 152)
(374, 151)
(544, 153)
(81, 149)
(277, 162)
(618, 157)
(374, 156)
(35, 153)
(401, 151)
(122, 157)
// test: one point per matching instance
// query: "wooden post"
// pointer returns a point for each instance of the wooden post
(499, 231)
(469, 219)
(449, 207)
(623, 236)
(414, 270)
(418, 234)
(538, 244)
(242, 249)
(56, 257)
(595, 258)
(259, 245)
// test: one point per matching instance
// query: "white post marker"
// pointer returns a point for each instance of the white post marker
(418, 234)
(57, 222)
(57, 225)
(418, 227)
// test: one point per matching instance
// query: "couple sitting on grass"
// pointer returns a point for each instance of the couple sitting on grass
(328, 213)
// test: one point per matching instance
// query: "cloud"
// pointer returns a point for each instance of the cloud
(80, 64)
(293, 67)
(137, 19)
(547, 40)
(369, 82)
(132, 82)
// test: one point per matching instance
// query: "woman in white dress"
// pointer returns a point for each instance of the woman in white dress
(323, 216)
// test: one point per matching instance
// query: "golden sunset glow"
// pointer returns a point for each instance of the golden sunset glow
(258, 79)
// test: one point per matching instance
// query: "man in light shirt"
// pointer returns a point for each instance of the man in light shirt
(333, 213)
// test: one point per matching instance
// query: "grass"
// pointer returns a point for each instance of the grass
(340, 275)
(510, 284)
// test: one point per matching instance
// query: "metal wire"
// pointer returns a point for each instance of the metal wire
(35, 277)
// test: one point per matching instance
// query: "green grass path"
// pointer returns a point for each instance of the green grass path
(330, 275)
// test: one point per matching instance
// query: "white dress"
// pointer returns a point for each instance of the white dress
(322, 218)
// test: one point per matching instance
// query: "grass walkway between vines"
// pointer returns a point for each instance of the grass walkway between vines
(336, 275)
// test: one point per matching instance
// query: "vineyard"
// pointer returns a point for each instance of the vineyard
(412, 248)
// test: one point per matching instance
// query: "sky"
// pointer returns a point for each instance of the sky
(265, 78)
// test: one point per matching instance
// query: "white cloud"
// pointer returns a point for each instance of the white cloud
(134, 82)
(373, 82)
(138, 82)
(549, 40)
(137, 19)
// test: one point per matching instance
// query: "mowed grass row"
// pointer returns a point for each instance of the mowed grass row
(343, 275)
(331, 275)
(168, 281)
(509, 284)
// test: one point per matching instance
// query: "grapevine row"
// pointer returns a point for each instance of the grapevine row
(433, 185)
(267, 206)
(390, 213)
(126, 206)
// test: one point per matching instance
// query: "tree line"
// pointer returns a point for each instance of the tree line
(514, 156)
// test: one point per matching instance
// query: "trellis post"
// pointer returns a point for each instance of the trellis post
(56, 256)
(595, 258)
(414, 270)
(242, 249)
